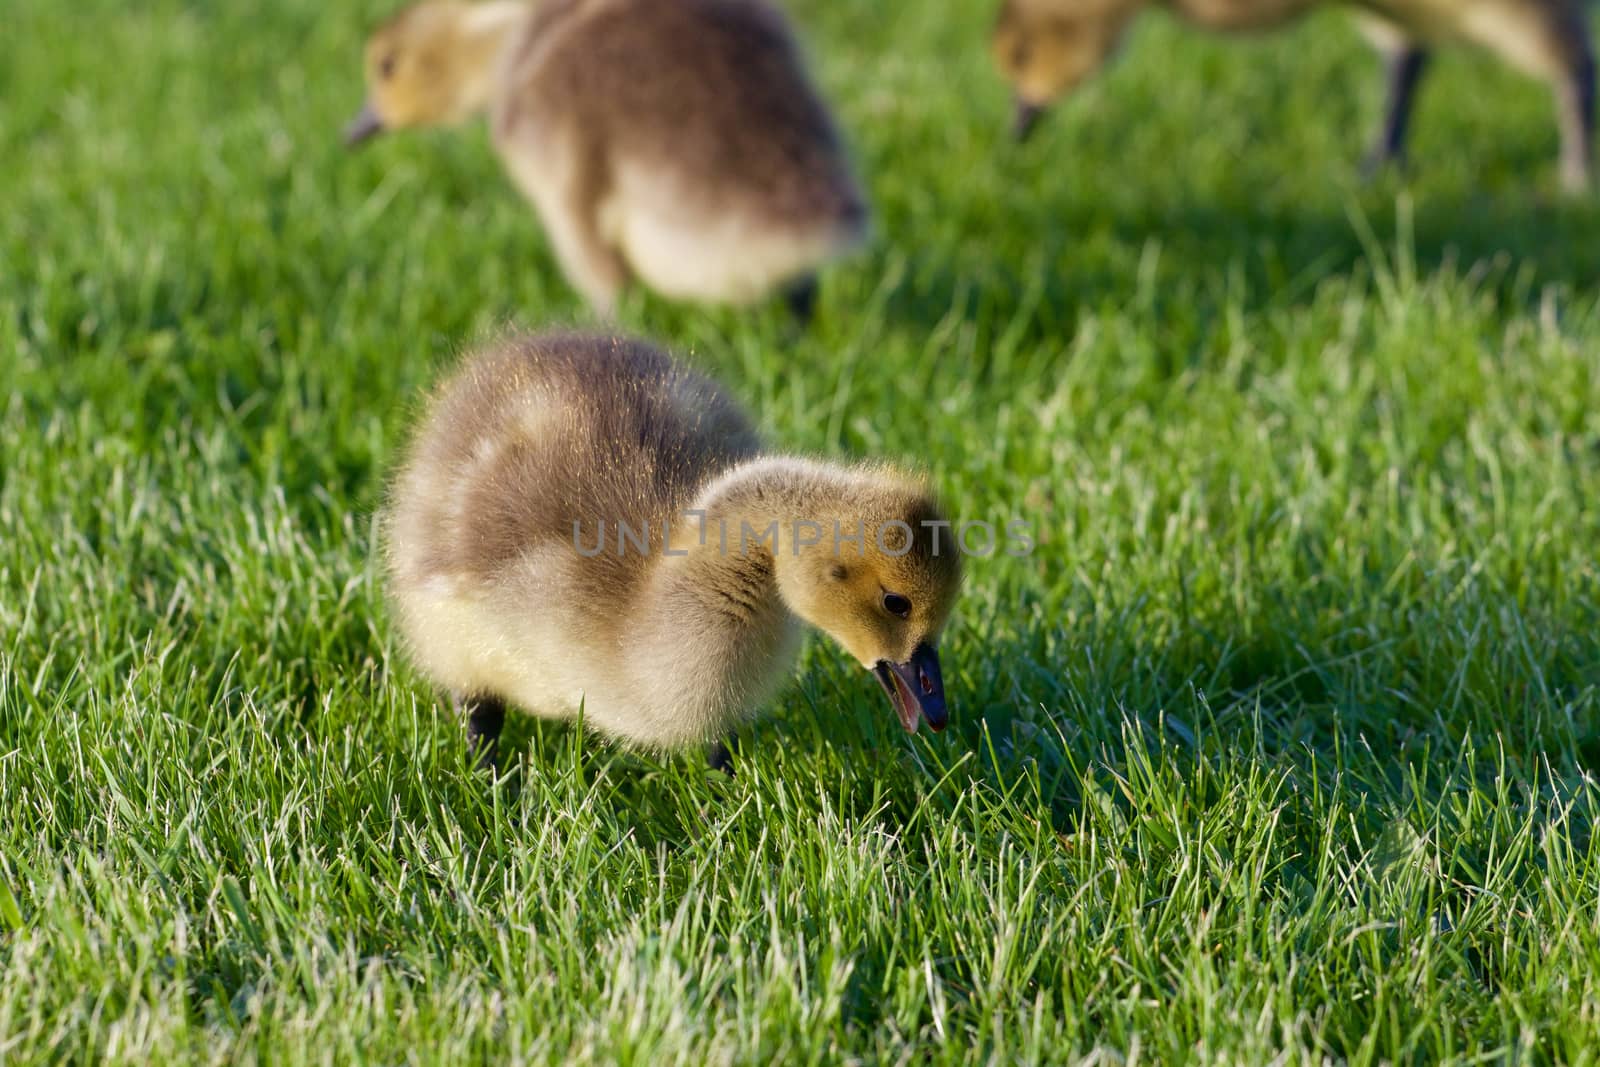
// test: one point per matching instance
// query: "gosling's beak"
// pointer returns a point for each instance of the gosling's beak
(1026, 118)
(915, 689)
(366, 124)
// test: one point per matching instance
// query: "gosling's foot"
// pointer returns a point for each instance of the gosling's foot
(801, 297)
(720, 756)
(485, 717)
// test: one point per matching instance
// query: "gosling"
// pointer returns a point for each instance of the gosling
(582, 523)
(1046, 47)
(680, 142)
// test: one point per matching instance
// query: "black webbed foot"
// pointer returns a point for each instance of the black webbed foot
(485, 718)
(721, 754)
(801, 297)
(1405, 68)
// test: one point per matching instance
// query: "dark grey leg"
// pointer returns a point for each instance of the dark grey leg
(801, 296)
(1406, 65)
(720, 757)
(1575, 112)
(485, 716)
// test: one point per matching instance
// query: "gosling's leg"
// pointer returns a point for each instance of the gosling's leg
(1405, 62)
(721, 754)
(1575, 112)
(570, 185)
(1551, 41)
(485, 716)
(592, 266)
(801, 297)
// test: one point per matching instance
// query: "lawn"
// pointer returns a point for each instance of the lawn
(1279, 745)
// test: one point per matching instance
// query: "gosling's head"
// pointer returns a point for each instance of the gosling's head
(429, 65)
(881, 578)
(1045, 48)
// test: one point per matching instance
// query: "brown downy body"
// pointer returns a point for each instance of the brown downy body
(515, 584)
(678, 141)
(1047, 47)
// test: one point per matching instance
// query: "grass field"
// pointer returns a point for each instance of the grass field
(1279, 745)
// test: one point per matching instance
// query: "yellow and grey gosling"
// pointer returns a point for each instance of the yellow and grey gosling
(581, 521)
(1046, 47)
(677, 141)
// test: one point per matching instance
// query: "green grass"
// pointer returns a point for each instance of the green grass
(1281, 743)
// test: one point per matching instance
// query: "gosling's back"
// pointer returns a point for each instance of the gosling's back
(550, 431)
(677, 140)
(710, 89)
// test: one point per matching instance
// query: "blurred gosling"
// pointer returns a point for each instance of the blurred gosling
(677, 141)
(582, 522)
(1046, 47)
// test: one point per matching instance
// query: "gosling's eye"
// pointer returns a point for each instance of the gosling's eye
(895, 604)
(386, 66)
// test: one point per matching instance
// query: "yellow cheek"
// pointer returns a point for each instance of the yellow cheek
(861, 643)
(867, 661)
(400, 107)
(1040, 88)
(384, 104)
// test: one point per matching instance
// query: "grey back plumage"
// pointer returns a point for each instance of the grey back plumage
(715, 88)
(539, 435)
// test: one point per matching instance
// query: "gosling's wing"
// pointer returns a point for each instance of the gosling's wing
(711, 90)
(554, 440)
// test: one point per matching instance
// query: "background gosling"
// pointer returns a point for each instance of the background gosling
(1046, 47)
(679, 141)
(582, 521)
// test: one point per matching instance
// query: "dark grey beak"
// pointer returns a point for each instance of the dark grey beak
(1026, 118)
(366, 124)
(916, 689)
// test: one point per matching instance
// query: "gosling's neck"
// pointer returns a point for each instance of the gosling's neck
(725, 555)
(485, 33)
(712, 636)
